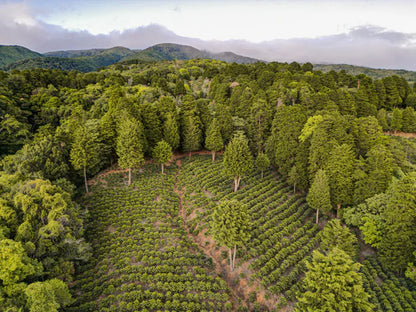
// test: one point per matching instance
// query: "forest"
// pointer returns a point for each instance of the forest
(201, 185)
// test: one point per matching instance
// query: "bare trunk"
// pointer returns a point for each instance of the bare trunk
(236, 183)
(294, 188)
(129, 176)
(231, 259)
(190, 154)
(338, 208)
(163, 168)
(213, 156)
(317, 216)
(85, 179)
(262, 174)
(235, 251)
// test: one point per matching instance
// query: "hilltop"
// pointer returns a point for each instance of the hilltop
(171, 51)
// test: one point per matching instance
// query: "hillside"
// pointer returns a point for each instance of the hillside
(81, 60)
(373, 73)
(119, 51)
(170, 51)
(10, 54)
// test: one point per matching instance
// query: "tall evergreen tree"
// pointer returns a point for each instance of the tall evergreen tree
(319, 197)
(171, 131)
(162, 153)
(85, 150)
(192, 134)
(335, 234)
(396, 120)
(262, 163)
(129, 145)
(213, 140)
(339, 169)
(238, 160)
(333, 283)
(230, 227)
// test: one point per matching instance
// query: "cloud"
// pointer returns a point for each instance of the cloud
(368, 45)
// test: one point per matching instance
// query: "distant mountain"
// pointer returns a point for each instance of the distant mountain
(10, 54)
(170, 51)
(82, 60)
(373, 73)
(116, 51)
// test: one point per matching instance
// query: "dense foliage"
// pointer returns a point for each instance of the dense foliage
(58, 129)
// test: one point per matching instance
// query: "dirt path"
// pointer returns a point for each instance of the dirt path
(238, 280)
(401, 134)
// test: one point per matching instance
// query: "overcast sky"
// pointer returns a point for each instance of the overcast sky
(370, 33)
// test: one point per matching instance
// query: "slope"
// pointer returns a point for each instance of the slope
(373, 73)
(170, 51)
(81, 60)
(10, 54)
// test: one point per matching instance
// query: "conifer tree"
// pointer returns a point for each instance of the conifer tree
(333, 283)
(230, 227)
(162, 153)
(238, 160)
(213, 141)
(336, 235)
(339, 169)
(129, 145)
(318, 197)
(85, 149)
(396, 120)
(171, 131)
(192, 135)
(262, 163)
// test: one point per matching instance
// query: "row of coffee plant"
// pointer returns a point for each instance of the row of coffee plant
(282, 234)
(388, 292)
(143, 260)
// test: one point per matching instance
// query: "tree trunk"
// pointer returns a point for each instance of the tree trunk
(338, 208)
(235, 251)
(236, 183)
(213, 156)
(163, 168)
(231, 259)
(85, 179)
(262, 174)
(129, 176)
(190, 154)
(317, 216)
(294, 188)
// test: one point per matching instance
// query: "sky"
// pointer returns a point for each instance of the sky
(372, 33)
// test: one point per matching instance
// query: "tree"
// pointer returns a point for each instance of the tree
(15, 265)
(238, 160)
(396, 120)
(85, 149)
(333, 283)
(262, 163)
(335, 234)
(398, 233)
(230, 227)
(48, 296)
(162, 153)
(339, 169)
(319, 197)
(171, 131)
(192, 134)
(213, 141)
(129, 146)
